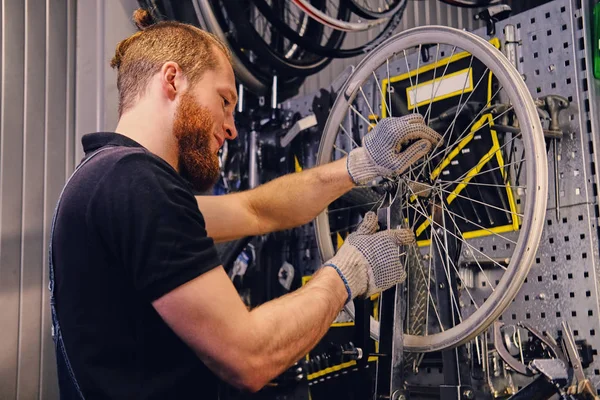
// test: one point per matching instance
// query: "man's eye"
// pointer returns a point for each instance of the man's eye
(225, 102)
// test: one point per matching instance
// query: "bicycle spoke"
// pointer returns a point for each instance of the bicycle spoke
(331, 211)
(427, 115)
(462, 240)
(368, 104)
(416, 109)
(387, 107)
(349, 136)
(475, 201)
(389, 87)
(360, 115)
(476, 261)
(448, 183)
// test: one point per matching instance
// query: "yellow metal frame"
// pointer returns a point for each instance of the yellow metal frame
(468, 88)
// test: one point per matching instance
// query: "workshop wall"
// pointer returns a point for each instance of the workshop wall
(37, 94)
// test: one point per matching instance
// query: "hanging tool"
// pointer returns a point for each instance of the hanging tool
(582, 385)
(554, 104)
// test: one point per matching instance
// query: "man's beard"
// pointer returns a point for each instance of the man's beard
(193, 128)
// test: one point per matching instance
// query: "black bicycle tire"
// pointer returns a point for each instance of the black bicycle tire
(368, 14)
(471, 3)
(266, 52)
(290, 34)
(289, 85)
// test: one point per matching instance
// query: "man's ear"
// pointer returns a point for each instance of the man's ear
(172, 80)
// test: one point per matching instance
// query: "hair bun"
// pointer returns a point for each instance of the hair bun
(142, 18)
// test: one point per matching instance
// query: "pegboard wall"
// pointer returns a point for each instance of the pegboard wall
(563, 281)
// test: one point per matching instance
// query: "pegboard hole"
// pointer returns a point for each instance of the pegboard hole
(566, 238)
(556, 295)
(537, 260)
(537, 71)
(552, 258)
(584, 255)
(549, 222)
(553, 85)
(586, 274)
(543, 315)
(569, 81)
(571, 294)
(507, 246)
(549, 32)
(570, 275)
(535, 54)
(532, 20)
(547, 15)
(582, 236)
(554, 277)
(573, 313)
(590, 313)
(564, 220)
(576, 332)
(526, 297)
(527, 316)
(534, 38)
(565, 45)
(580, 217)
(563, 9)
(588, 293)
(539, 278)
(567, 63)
(558, 314)
(568, 257)
(551, 240)
(494, 247)
(519, 25)
(514, 316)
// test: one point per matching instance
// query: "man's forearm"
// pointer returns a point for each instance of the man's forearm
(289, 327)
(296, 199)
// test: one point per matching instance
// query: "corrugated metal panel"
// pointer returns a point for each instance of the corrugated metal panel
(417, 13)
(36, 153)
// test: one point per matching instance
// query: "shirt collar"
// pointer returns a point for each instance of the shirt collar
(93, 141)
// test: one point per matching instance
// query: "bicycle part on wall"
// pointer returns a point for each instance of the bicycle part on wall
(282, 55)
(323, 47)
(472, 3)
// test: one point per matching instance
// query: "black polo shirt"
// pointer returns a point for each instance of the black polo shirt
(128, 231)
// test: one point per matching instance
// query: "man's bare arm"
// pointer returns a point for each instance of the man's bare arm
(286, 202)
(250, 348)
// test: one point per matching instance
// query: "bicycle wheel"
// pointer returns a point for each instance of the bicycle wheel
(324, 18)
(249, 69)
(481, 189)
(471, 3)
(375, 10)
(327, 47)
(282, 55)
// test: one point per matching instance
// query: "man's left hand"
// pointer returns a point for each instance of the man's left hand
(381, 155)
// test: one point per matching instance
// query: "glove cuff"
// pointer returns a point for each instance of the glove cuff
(361, 167)
(351, 265)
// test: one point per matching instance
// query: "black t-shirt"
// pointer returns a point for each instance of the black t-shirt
(128, 231)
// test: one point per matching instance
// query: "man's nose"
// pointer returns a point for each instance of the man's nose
(230, 131)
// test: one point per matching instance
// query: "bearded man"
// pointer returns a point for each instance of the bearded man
(141, 306)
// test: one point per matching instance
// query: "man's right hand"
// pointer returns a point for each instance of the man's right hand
(368, 262)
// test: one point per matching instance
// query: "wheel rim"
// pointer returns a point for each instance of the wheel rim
(532, 212)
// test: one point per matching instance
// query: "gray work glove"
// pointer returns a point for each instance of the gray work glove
(381, 155)
(368, 262)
